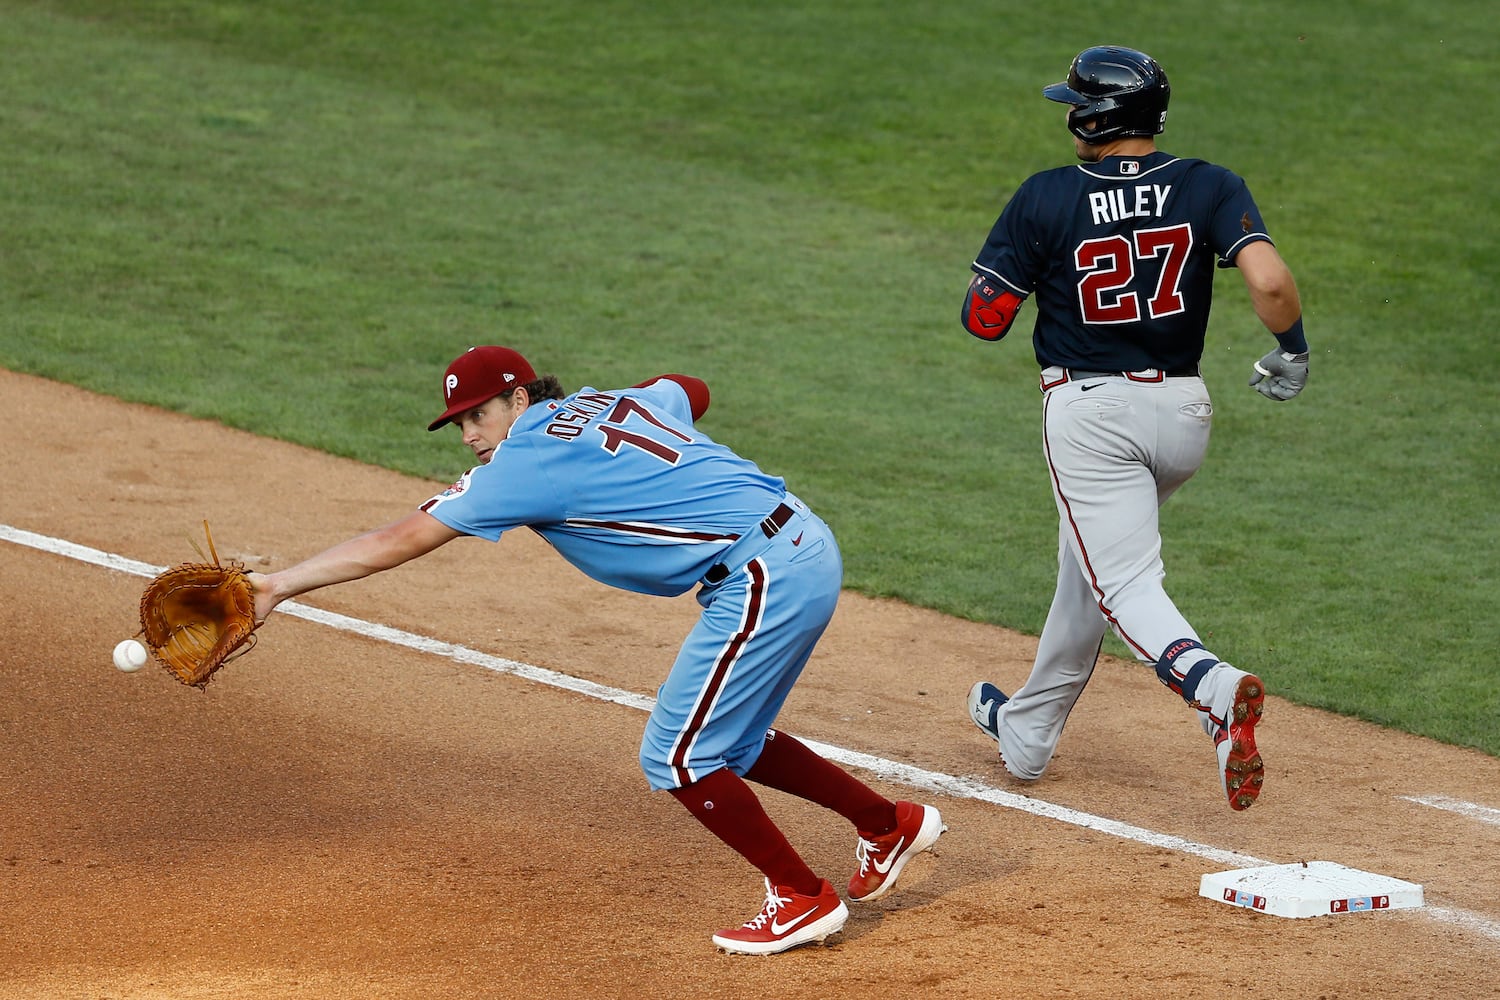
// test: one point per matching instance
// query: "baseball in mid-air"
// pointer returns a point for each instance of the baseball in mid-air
(130, 656)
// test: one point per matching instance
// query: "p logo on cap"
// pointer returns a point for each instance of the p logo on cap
(478, 375)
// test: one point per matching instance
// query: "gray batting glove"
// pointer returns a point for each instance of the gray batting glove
(1280, 375)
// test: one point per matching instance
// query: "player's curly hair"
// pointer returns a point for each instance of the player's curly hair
(545, 387)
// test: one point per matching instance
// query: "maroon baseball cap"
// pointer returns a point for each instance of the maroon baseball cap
(480, 374)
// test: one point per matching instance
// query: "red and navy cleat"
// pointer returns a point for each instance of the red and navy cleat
(1240, 766)
(984, 708)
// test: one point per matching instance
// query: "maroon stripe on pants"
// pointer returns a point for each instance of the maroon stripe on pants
(722, 665)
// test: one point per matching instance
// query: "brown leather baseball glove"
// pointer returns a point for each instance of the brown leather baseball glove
(194, 615)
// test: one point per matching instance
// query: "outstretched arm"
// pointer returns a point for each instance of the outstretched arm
(416, 534)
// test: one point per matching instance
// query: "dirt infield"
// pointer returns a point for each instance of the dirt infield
(337, 816)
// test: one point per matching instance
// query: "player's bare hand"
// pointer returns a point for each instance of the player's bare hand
(1280, 375)
(265, 598)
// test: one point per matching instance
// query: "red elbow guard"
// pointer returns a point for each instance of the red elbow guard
(989, 310)
(696, 389)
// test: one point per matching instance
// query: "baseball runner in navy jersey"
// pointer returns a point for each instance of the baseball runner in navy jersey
(627, 489)
(1119, 252)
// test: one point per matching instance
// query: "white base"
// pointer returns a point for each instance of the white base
(1309, 889)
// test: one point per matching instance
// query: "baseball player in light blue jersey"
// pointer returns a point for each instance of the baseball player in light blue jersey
(624, 486)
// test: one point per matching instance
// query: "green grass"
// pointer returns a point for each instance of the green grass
(289, 216)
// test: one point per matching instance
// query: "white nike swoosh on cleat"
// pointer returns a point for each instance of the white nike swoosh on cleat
(891, 859)
(779, 928)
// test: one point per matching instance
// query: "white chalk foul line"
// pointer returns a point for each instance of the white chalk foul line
(344, 623)
(972, 788)
(1483, 814)
(906, 774)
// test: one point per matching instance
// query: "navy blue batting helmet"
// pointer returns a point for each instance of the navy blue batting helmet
(1115, 92)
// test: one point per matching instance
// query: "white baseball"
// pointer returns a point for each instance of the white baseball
(130, 656)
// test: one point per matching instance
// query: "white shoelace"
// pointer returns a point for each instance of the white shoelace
(862, 851)
(774, 902)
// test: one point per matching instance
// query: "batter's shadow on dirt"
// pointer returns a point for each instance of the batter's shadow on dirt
(931, 885)
(868, 918)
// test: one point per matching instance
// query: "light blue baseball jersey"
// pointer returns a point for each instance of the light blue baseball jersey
(628, 491)
(620, 483)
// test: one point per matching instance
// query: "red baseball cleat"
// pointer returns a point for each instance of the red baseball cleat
(787, 920)
(1240, 766)
(881, 857)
